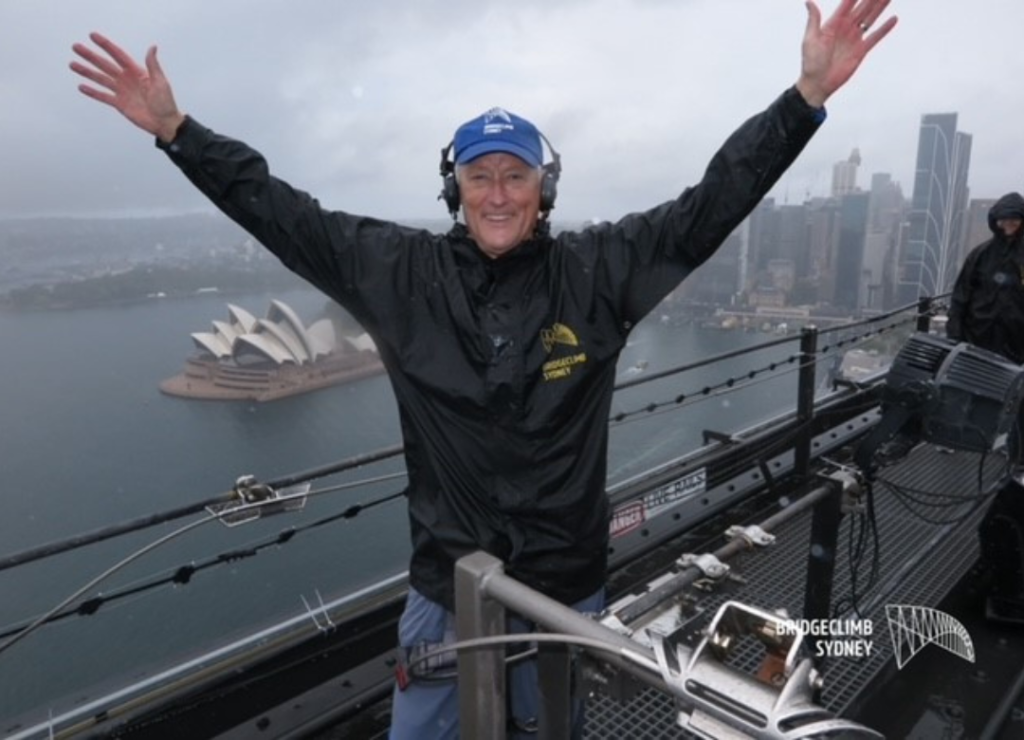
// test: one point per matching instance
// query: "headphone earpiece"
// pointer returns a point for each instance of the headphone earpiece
(449, 185)
(548, 184)
(549, 181)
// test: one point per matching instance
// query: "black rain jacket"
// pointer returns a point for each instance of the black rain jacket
(503, 369)
(987, 304)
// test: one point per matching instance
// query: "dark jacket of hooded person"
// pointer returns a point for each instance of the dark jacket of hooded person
(987, 305)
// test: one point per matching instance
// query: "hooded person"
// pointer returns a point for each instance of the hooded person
(987, 310)
(987, 305)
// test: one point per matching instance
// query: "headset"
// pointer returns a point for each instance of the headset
(550, 173)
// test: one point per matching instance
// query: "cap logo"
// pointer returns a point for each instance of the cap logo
(497, 120)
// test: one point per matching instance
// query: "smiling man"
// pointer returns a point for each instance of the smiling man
(499, 171)
(500, 340)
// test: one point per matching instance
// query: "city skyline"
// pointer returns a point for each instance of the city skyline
(860, 249)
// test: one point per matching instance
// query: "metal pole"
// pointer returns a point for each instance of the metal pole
(656, 596)
(481, 672)
(821, 563)
(924, 313)
(805, 400)
(554, 677)
(481, 592)
(481, 574)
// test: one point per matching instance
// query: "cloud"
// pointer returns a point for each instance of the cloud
(354, 101)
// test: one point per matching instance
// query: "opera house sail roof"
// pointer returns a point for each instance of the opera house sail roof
(245, 358)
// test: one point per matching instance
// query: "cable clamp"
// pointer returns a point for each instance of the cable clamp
(253, 500)
(706, 563)
(752, 534)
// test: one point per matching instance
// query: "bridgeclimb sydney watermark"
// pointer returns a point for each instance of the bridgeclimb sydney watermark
(911, 629)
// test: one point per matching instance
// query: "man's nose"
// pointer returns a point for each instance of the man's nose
(497, 192)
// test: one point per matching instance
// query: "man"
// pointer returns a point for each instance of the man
(987, 305)
(500, 340)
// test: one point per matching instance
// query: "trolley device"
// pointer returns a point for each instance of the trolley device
(714, 698)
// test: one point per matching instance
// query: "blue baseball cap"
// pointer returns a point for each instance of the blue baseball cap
(497, 130)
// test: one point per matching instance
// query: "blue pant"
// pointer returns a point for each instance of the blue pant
(427, 710)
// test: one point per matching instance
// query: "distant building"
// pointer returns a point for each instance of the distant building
(849, 263)
(823, 218)
(245, 358)
(844, 175)
(782, 275)
(767, 296)
(793, 242)
(718, 281)
(928, 263)
(278, 339)
(886, 215)
(977, 229)
(762, 237)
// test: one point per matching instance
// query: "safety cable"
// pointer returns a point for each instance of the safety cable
(651, 377)
(521, 637)
(680, 401)
(135, 525)
(725, 388)
(103, 576)
(741, 382)
(183, 574)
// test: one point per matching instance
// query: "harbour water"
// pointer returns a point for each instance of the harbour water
(87, 440)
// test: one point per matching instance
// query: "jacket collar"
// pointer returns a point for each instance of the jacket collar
(467, 251)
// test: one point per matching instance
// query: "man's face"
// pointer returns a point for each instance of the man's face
(500, 201)
(1009, 226)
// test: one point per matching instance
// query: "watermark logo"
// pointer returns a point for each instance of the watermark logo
(833, 638)
(912, 628)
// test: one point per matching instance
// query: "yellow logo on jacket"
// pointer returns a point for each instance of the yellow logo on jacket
(561, 367)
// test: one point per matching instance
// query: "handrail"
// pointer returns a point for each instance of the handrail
(810, 355)
(923, 308)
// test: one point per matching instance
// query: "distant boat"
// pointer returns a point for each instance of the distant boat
(634, 369)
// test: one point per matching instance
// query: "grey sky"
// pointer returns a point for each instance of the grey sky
(353, 101)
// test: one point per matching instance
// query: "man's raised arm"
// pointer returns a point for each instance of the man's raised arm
(142, 95)
(832, 52)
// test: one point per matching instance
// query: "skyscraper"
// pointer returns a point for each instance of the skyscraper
(844, 175)
(928, 264)
(849, 263)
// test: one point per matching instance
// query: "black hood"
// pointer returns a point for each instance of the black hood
(1010, 205)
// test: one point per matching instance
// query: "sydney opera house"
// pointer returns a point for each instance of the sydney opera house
(245, 358)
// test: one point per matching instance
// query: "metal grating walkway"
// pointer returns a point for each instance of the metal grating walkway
(920, 561)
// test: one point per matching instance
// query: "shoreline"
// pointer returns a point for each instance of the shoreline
(210, 380)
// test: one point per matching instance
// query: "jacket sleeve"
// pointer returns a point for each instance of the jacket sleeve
(960, 298)
(644, 256)
(350, 258)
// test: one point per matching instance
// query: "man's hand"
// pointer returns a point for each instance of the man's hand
(143, 96)
(833, 51)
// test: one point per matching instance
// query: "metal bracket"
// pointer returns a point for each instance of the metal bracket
(717, 700)
(255, 500)
(852, 490)
(752, 534)
(328, 623)
(712, 436)
(706, 563)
